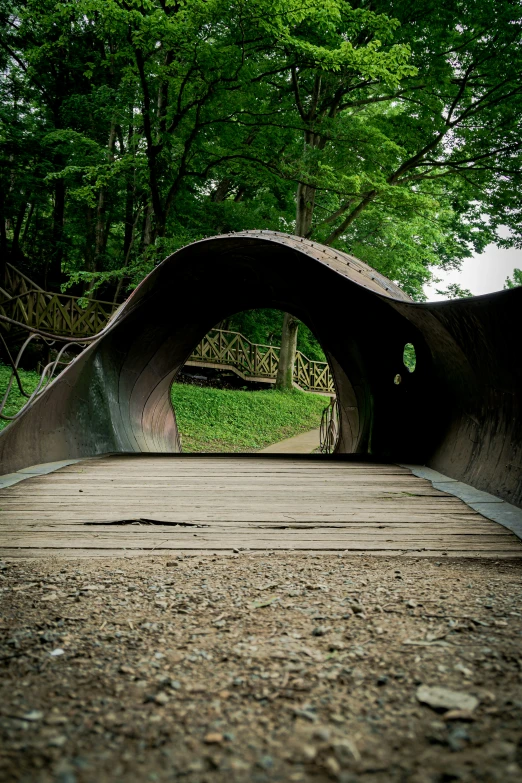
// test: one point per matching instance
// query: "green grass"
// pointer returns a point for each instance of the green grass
(221, 420)
(15, 400)
(217, 419)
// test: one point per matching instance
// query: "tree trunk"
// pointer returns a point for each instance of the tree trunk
(101, 232)
(303, 223)
(90, 240)
(304, 209)
(27, 223)
(3, 240)
(54, 274)
(129, 202)
(15, 247)
(285, 369)
(221, 191)
(129, 218)
(127, 257)
(147, 226)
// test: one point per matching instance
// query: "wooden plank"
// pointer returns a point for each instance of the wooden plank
(254, 503)
(90, 526)
(58, 517)
(301, 495)
(233, 541)
(195, 551)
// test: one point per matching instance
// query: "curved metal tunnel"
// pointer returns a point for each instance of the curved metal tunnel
(458, 412)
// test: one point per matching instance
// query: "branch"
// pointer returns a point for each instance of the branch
(380, 98)
(351, 217)
(297, 94)
(476, 158)
(238, 156)
(279, 69)
(315, 96)
(333, 217)
(460, 92)
(462, 46)
(478, 104)
(163, 93)
(333, 104)
(152, 149)
(183, 85)
(25, 69)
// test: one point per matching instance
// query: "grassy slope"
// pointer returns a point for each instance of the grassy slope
(219, 420)
(16, 400)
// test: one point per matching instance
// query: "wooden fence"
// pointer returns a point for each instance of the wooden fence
(15, 283)
(57, 313)
(254, 361)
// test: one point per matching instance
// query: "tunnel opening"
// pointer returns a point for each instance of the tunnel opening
(227, 397)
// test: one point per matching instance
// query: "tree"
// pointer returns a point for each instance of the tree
(454, 291)
(516, 280)
(128, 129)
(329, 58)
(440, 144)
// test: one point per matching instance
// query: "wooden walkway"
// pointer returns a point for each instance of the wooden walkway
(137, 505)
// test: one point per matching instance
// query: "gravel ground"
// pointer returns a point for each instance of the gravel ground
(266, 667)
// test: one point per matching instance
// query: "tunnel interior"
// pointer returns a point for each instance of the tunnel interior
(458, 411)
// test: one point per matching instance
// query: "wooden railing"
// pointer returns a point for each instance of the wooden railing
(57, 313)
(16, 283)
(254, 361)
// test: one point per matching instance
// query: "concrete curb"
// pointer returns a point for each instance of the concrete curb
(35, 470)
(491, 507)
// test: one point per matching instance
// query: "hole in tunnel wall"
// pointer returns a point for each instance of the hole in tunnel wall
(409, 357)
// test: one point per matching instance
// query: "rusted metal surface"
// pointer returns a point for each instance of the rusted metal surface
(459, 411)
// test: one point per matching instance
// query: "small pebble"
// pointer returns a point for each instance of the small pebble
(213, 738)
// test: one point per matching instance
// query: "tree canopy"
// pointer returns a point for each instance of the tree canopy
(516, 280)
(129, 128)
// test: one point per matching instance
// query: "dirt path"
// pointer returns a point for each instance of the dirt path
(305, 443)
(283, 667)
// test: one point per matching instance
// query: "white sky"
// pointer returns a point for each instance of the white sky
(481, 274)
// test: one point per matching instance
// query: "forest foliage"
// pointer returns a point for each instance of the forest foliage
(516, 280)
(129, 128)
